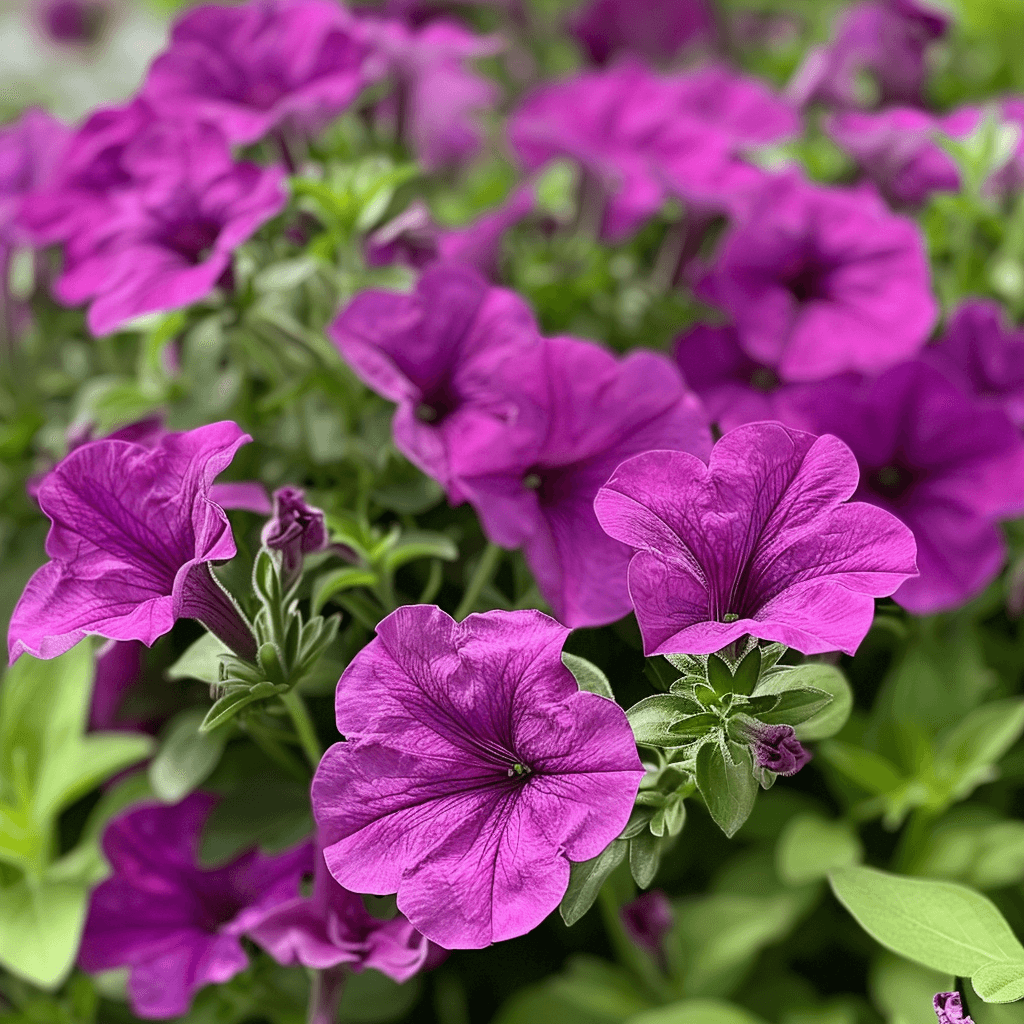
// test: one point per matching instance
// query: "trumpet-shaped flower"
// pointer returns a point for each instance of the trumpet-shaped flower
(133, 532)
(760, 541)
(474, 770)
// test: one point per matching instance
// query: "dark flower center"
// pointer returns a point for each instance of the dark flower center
(810, 282)
(193, 240)
(764, 379)
(891, 481)
(438, 404)
(519, 770)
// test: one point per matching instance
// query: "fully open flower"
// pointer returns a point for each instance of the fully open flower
(760, 541)
(474, 770)
(165, 241)
(333, 927)
(251, 67)
(175, 925)
(133, 533)
(820, 281)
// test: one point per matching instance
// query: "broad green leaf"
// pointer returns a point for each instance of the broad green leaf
(585, 881)
(811, 846)
(903, 990)
(40, 929)
(338, 581)
(944, 926)
(201, 660)
(796, 706)
(186, 757)
(827, 678)
(651, 720)
(728, 787)
(697, 1011)
(588, 676)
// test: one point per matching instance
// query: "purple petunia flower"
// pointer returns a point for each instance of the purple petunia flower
(949, 1009)
(474, 770)
(929, 452)
(896, 149)
(333, 927)
(776, 749)
(656, 30)
(440, 353)
(296, 529)
(175, 925)
(118, 669)
(820, 281)
(133, 532)
(760, 541)
(253, 67)
(887, 39)
(983, 353)
(166, 241)
(647, 920)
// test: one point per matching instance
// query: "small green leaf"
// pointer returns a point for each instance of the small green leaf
(186, 757)
(1000, 983)
(585, 881)
(694, 726)
(420, 544)
(340, 580)
(811, 846)
(728, 787)
(796, 706)
(718, 675)
(588, 676)
(651, 720)
(748, 672)
(827, 678)
(644, 858)
(201, 660)
(230, 704)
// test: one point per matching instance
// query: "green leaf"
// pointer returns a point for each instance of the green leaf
(186, 757)
(585, 881)
(694, 726)
(325, 587)
(201, 660)
(588, 676)
(869, 770)
(40, 928)
(826, 678)
(728, 787)
(811, 846)
(796, 706)
(975, 744)
(944, 926)
(230, 704)
(372, 998)
(697, 1011)
(903, 990)
(644, 858)
(420, 544)
(1000, 983)
(652, 718)
(748, 672)
(718, 675)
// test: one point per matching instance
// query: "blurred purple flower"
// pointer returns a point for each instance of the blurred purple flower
(441, 354)
(983, 353)
(118, 669)
(647, 920)
(133, 532)
(175, 925)
(333, 927)
(599, 410)
(296, 529)
(761, 541)
(261, 65)
(74, 22)
(896, 149)
(949, 1009)
(474, 770)
(164, 242)
(820, 281)
(656, 30)
(410, 238)
(929, 452)
(888, 39)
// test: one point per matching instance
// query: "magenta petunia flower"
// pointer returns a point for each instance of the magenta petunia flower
(929, 452)
(656, 30)
(885, 39)
(981, 351)
(599, 411)
(333, 927)
(296, 529)
(949, 1008)
(133, 532)
(166, 241)
(897, 149)
(253, 67)
(820, 281)
(175, 925)
(474, 770)
(760, 541)
(441, 354)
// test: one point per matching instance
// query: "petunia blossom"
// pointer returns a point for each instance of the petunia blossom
(175, 925)
(254, 67)
(332, 927)
(760, 541)
(167, 240)
(983, 352)
(133, 532)
(440, 353)
(949, 1008)
(948, 465)
(820, 281)
(474, 770)
(598, 411)
(776, 749)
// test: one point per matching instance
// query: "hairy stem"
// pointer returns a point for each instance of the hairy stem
(304, 728)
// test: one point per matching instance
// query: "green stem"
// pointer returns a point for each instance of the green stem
(482, 575)
(626, 952)
(325, 992)
(304, 729)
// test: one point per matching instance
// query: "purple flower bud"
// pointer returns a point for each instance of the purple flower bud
(77, 22)
(295, 530)
(776, 748)
(949, 1009)
(647, 920)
